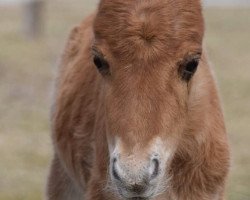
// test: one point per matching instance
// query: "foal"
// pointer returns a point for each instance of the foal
(137, 114)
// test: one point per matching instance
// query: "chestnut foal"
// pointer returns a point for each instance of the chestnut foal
(136, 113)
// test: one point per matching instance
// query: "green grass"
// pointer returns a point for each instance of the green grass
(27, 69)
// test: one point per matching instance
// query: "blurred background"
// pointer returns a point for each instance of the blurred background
(32, 36)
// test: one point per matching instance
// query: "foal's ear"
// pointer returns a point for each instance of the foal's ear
(188, 67)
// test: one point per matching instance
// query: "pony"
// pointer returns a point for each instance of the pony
(136, 112)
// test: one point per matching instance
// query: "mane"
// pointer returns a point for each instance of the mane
(148, 31)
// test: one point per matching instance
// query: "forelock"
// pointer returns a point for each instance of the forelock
(148, 30)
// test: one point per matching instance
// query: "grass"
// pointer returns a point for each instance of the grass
(27, 70)
(229, 47)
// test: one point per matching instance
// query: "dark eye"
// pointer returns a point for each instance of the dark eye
(101, 64)
(188, 69)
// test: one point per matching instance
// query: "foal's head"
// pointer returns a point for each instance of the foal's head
(147, 52)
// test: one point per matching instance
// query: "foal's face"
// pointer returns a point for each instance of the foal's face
(147, 53)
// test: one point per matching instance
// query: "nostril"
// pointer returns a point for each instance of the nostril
(114, 170)
(156, 164)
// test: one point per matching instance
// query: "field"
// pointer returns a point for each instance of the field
(27, 69)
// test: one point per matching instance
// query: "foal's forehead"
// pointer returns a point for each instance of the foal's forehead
(148, 29)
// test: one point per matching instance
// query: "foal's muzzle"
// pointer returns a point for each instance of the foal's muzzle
(135, 184)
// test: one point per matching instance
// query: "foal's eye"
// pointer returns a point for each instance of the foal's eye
(188, 69)
(101, 64)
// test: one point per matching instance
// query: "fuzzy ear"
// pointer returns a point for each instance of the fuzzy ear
(73, 44)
